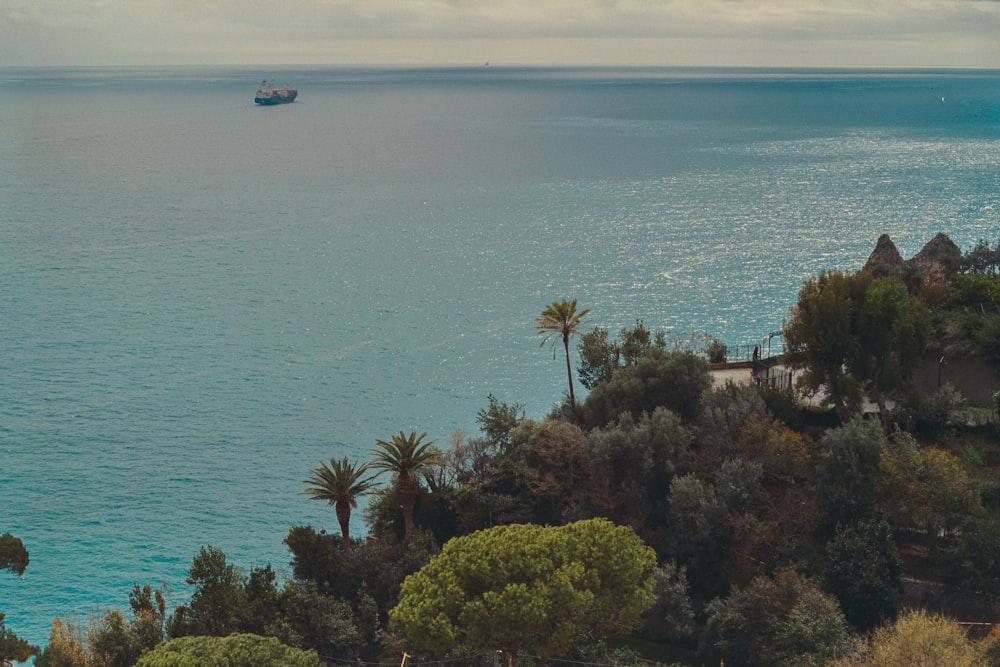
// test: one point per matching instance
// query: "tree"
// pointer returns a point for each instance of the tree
(847, 473)
(850, 331)
(722, 425)
(780, 621)
(261, 607)
(149, 614)
(700, 529)
(525, 587)
(925, 488)
(863, 570)
(552, 451)
(671, 618)
(311, 619)
(982, 258)
(917, 639)
(600, 356)
(110, 641)
(628, 464)
(236, 650)
(371, 577)
(973, 563)
(675, 380)
(13, 647)
(404, 456)
(560, 321)
(820, 336)
(498, 420)
(892, 336)
(339, 484)
(13, 555)
(218, 600)
(65, 647)
(315, 556)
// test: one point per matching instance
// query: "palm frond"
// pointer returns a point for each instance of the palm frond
(340, 481)
(405, 454)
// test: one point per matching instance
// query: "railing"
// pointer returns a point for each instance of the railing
(770, 346)
(740, 352)
(766, 373)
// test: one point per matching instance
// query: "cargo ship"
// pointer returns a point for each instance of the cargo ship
(268, 94)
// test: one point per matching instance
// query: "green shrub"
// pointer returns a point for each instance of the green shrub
(968, 289)
(238, 650)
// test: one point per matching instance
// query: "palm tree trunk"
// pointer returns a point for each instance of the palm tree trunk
(344, 518)
(406, 487)
(569, 374)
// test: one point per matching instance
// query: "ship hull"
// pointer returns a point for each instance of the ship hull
(268, 94)
(275, 99)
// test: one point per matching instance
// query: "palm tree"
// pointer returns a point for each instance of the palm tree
(404, 456)
(560, 320)
(339, 484)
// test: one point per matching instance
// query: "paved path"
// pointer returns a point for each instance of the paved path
(736, 375)
(742, 376)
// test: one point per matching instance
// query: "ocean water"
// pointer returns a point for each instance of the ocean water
(203, 299)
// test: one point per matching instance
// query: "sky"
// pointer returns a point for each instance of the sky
(765, 33)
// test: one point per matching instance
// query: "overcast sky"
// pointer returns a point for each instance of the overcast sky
(876, 33)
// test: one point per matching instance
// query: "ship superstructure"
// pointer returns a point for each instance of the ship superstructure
(267, 94)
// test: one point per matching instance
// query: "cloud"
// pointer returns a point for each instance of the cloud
(328, 31)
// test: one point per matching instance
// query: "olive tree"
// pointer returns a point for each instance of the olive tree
(783, 621)
(863, 571)
(659, 378)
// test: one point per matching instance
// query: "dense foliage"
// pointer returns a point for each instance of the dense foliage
(524, 587)
(13, 557)
(856, 335)
(237, 650)
(710, 522)
(13, 647)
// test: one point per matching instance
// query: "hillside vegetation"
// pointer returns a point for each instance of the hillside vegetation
(658, 518)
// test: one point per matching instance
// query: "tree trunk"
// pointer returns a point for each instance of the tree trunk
(569, 374)
(406, 487)
(883, 411)
(344, 518)
(841, 409)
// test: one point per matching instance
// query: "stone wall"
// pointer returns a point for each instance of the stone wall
(973, 377)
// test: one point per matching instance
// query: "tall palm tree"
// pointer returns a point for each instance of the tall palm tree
(405, 456)
(339, 484)
(559, 321)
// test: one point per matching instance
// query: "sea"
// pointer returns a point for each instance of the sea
(202, 299)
